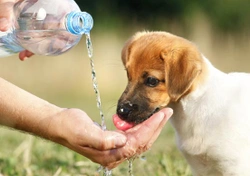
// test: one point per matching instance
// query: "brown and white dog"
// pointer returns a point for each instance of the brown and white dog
(211, 108)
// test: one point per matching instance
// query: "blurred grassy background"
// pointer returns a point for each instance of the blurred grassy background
(219, 28)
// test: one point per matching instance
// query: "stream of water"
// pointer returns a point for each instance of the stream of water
(130, 166)
(94, 80)
(106, 172)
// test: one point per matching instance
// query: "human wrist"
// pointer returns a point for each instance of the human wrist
(55, 128)
(40, 122)
(65, 125)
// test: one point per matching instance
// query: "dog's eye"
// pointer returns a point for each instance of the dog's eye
(151, 81)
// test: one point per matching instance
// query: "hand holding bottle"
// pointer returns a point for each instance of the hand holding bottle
(6, 13)
(43, 27)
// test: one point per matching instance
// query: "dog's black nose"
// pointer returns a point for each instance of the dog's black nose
(123, 110)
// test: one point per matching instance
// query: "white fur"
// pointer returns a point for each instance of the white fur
(212, 125)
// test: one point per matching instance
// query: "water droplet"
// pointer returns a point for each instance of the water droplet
(144, 158)
(106, 172)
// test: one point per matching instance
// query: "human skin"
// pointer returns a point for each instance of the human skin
(6, 14)
(72, 128)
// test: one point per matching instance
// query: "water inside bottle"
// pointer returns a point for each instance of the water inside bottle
(46, 42)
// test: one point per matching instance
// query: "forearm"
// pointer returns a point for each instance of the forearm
(24, 111)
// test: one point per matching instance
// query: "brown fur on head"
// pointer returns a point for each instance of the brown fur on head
(161, 68)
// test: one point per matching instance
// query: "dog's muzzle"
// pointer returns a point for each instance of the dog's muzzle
(124, 111)
(133, 113)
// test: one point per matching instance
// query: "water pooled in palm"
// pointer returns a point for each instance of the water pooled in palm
(94, 80)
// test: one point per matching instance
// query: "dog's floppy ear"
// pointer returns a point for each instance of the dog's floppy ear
(182, 67)
(126, 51)
(129, 44)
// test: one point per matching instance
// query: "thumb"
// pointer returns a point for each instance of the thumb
(106, 140)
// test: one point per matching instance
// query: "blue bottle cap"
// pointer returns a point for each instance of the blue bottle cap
(79, 23)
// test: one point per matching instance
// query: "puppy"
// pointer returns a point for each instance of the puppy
(211, 108)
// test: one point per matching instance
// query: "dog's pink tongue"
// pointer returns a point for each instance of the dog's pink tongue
(121, 124)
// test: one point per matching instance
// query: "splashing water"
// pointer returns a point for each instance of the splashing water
(107, 172)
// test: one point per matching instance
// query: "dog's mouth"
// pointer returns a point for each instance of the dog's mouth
(124, 125)
(140, 120)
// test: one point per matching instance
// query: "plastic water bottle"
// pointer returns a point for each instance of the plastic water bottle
(45, 27)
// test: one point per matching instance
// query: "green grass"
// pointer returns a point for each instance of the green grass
(24, 155)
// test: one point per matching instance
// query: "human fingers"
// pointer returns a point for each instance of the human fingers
(136, 142)
(81, 131)
(137, 138)
(6, 13)
(106, 140)
(150, 124)
(108, 158)
(167, 114)
(142, 136)
(24, 55)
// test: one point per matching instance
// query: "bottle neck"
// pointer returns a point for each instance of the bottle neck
(79, 23)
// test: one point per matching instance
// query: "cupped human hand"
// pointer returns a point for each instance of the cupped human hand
(141, 137)
(6, 15)
(74, 129)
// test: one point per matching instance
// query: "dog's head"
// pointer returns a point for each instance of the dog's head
(161, 68)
